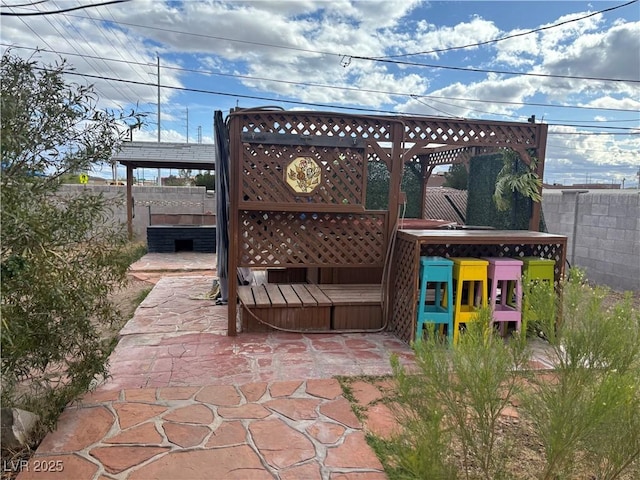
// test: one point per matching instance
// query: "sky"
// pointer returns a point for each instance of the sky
(572, 67)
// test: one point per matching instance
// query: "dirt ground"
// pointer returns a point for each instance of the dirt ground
(127, 299)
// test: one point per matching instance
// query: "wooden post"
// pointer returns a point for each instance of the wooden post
(424, 177)
(234, 193)
(130, 202)
(397, 167)
(541, 150)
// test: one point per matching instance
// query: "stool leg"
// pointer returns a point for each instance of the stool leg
(504, 288)
(421, 312)
(518, 283)
(449, 300)
(457, 310)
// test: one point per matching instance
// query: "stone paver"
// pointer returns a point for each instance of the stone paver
(186, 402)
(202, 436)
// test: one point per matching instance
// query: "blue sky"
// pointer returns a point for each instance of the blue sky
(341, 54)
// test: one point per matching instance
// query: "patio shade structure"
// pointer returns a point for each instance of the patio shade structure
(188, 156)
(298, 181)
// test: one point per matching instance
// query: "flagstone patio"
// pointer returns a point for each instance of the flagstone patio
(185, 401)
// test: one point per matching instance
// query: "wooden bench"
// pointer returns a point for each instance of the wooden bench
(311, 307)
(356, 306)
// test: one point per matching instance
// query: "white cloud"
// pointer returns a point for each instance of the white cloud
(609, 54)
(431, 37)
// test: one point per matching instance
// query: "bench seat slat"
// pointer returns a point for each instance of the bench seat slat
(245, 294)
(275, 295)
(260, 294)
(318, 294)
(290, 296)
(353, 294)
(305, 297)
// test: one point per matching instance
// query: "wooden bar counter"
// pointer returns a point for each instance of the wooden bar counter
(410, 245)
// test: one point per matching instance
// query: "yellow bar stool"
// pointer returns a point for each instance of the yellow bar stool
(537, 269)
(470, 278)
(505, 274)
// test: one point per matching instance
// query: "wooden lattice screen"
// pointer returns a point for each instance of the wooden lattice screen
(298, 182)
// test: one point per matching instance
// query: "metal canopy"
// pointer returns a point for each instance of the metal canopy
(194, 156)
(188, 156)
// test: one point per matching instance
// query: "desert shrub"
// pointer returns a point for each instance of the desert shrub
(588, 415)
(582, 417)
(454, 402)
(60, 255)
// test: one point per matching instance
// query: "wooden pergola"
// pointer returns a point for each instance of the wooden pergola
(298, 181)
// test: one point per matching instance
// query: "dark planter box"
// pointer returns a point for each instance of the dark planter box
(181, 238)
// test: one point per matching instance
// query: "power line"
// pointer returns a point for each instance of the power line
(214, 37)
(66, 39)
(593, 133)
(104, 61)
(295, 102)
(378, 59)
(86, 43)
(53, 12)
(320, 85)
(25, 4)
(486, 70)
(496, 40)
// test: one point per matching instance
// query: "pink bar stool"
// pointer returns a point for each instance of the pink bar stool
(505, 274)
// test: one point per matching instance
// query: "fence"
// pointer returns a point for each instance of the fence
(604, 233)
(604, 224)
(148, 201)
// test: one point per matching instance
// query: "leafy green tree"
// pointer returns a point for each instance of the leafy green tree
(457, 177)
(207, 180)
(60, 255)
(378, 178)
(511, 179)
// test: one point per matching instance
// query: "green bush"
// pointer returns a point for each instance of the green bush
(206, 179)
(60, 255)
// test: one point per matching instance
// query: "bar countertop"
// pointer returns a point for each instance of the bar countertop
(481, 236)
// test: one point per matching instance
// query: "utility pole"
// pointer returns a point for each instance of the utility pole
(187, 124)
(158, 57)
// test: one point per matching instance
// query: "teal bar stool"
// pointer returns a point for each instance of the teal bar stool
(436, 272)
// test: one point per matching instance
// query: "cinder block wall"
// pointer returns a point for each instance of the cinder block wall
(151, 200)
(604, 225)
(603, 230)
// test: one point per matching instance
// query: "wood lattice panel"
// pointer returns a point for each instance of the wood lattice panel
(263, 170)
(419, 131)
(402, 318)
(315, 124)
(551, 251)
(297, 239)
(465, 132)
